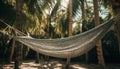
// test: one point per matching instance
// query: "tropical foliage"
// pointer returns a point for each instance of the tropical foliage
(49, 19)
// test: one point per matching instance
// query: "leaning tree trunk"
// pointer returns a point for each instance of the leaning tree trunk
(18, 49)
(69, 27)
(116, 11)
(99, 45)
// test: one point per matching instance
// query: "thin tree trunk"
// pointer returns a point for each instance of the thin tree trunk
(99, 45)
(12, 50)
(116, 11)
(117, 28)
(37, 57)
(18, 48)
(70, 18)
(69, 27)
(83, 19)
(83, 10)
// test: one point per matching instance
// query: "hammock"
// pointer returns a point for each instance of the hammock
(72, 46)
(68, 47)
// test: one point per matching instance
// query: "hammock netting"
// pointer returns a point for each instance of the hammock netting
(72, 46)
(68, 47)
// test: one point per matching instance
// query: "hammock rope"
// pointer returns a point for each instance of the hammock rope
(5, 32)
(10, 27)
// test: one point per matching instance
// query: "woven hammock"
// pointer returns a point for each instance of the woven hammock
(72, 46)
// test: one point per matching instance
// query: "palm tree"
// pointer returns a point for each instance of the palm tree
(99, 46)
(83, 19)
(116, 10)
(69, 26)
(12, 49)
(115, 6)
(18, 49)
(70, 18)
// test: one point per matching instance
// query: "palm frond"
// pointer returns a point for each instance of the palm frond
(56, 7)
(76, 6)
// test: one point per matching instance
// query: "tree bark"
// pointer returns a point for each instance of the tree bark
(83, 19)
(13, 47)
(70, 18)
(69, 28)
(37, 57)
(99, 45)
(116, 11)
(18, 48)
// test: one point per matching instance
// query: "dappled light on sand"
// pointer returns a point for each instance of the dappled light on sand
(33, 65)
(56, 65)
(76, 66)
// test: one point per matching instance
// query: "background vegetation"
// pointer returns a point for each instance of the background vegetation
(49, 19)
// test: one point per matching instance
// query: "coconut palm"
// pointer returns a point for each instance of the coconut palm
(18, 49)
(36, 18)
(115, 6)
(116, 10)
(99, 45)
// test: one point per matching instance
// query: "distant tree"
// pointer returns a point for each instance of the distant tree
(18, 48)
(99, 45)
(115, 6)
(70, 18)
(116, 10)
(69, 25)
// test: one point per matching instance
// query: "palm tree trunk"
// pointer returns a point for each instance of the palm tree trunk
(12, 50)
(116, 11)
(37, 57)
(99, 45)
(69, 27)
(83, 19)
(18, 49)
(70, 18)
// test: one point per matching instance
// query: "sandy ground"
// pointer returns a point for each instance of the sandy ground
(56, 65)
